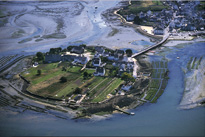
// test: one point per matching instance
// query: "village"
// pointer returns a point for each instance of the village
(101, 62)
(179, 16)
(91, 75)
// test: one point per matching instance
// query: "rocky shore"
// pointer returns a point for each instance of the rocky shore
(194, 93)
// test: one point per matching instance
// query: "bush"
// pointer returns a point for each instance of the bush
(63, 79)
(129, 52)
(40, 56)
(78, 91)
(127, 77)
(38, 72)
(85, 74)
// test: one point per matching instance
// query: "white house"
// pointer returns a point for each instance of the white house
(149, 13)
(130, 17)
(159, 31)
(96, 62)
(100, 50)
(81, 60)
(126, 87)
(100, 71)
(142, 15)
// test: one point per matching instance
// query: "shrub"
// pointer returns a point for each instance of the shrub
(63, 79)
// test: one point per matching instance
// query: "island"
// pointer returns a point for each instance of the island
(93, 80)
(88, 80)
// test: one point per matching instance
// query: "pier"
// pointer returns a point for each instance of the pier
(125, 112)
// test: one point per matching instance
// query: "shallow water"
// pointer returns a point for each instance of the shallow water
(142, 42)
(161, 118)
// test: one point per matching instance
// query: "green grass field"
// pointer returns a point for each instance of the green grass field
(109, 89)
(48, 84)
(144, 6)
(158, 75)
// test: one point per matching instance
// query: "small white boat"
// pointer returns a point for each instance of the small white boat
(132, 113)
(177, 57)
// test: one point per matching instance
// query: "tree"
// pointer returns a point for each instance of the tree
(137, 20)
(78, 90)
(40, 56)
(63, 79)
(85, 74)
(64, 50)
(69, 48)
(55, 50)
(127, 77)
(38, 72)
(83, 45)
(114, 71)
(63, 69)
(104, 59)
(129, 52)
(90, 75)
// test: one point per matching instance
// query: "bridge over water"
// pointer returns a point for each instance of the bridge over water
(151, 47)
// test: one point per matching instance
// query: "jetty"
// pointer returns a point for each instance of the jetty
(123, 111)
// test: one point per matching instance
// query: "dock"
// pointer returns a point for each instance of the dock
(123, 111)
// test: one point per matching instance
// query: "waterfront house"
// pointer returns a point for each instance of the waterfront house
(100, 50)
(189, 27)
(118, 54)
(105, 54)
(77, 50)
(50, 58)
(159, 31)
(130, 17)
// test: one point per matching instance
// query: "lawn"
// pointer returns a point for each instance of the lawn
(99, 87)
(151, 94)
(109, 89)
(144, 6)
(94, 82)
(158, 75)
(49, 84)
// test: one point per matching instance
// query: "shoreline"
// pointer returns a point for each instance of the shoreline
(71, 111)
(173, 41)
(194, 94)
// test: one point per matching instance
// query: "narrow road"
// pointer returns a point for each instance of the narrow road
(135, 68)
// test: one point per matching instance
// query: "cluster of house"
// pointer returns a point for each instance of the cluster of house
(181, 15)
(75, 58)
(118, 57)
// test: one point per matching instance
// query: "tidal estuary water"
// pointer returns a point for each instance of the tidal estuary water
(161, 118)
